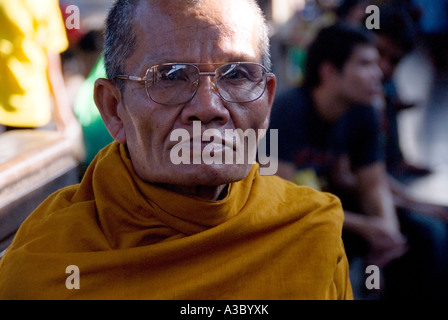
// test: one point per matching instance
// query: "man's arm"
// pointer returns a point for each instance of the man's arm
(380, 225)
(375, 193)
(404, 199)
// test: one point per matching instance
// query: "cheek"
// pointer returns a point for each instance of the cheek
(351, 88)
(357, 83)
(354, 77)
(148, 124)
(259, 113)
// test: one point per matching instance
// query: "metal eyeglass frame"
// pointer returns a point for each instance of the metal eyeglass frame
(212, 79)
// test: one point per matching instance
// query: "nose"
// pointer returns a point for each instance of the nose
(206, 106)
(377, 72)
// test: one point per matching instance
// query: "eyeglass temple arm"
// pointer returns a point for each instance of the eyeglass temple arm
(132, 78)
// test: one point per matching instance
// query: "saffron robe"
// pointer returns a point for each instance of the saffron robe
(129, 239)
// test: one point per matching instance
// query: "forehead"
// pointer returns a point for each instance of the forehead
(363, 53)
(214, 31)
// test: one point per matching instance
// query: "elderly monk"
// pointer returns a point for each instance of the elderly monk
(140, 226)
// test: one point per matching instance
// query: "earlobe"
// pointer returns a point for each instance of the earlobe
(108, 99)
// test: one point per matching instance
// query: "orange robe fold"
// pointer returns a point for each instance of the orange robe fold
(129, 239)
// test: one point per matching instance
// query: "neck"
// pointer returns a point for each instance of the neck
(328, 105)
(213, 193)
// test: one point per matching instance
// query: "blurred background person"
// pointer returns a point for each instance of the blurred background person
(83, 64)
(32, 91)
(352, 11)
(395, 39)
(433, 25)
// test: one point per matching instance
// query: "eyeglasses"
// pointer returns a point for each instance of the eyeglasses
(177, 83)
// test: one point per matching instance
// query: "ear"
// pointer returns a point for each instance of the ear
(328, 72)
(108, 100)
(270, 87)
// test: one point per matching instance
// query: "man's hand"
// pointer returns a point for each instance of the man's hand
(386, 243)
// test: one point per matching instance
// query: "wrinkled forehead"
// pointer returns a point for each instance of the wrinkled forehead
(172, 30)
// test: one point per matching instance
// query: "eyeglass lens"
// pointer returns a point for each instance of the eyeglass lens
(177, 83)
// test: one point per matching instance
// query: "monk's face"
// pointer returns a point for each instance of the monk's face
(214, 32)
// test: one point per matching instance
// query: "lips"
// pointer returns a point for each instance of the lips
(207, 138)
(211, 143)
(377, 88)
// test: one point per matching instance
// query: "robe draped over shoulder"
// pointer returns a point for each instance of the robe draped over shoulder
(130, 239)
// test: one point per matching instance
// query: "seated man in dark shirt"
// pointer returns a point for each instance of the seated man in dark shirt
(395, 39)
(329, 138)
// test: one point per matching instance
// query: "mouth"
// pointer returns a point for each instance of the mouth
(200, 142)
(377, 89)
(213, 144)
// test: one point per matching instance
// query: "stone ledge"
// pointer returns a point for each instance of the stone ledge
(30, 159)
(33, 164)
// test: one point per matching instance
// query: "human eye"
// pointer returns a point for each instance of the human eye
(366, 62)
(172, 74)
(243, 72)
(234, 74)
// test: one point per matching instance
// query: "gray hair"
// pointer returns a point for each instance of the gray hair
(120, 38)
